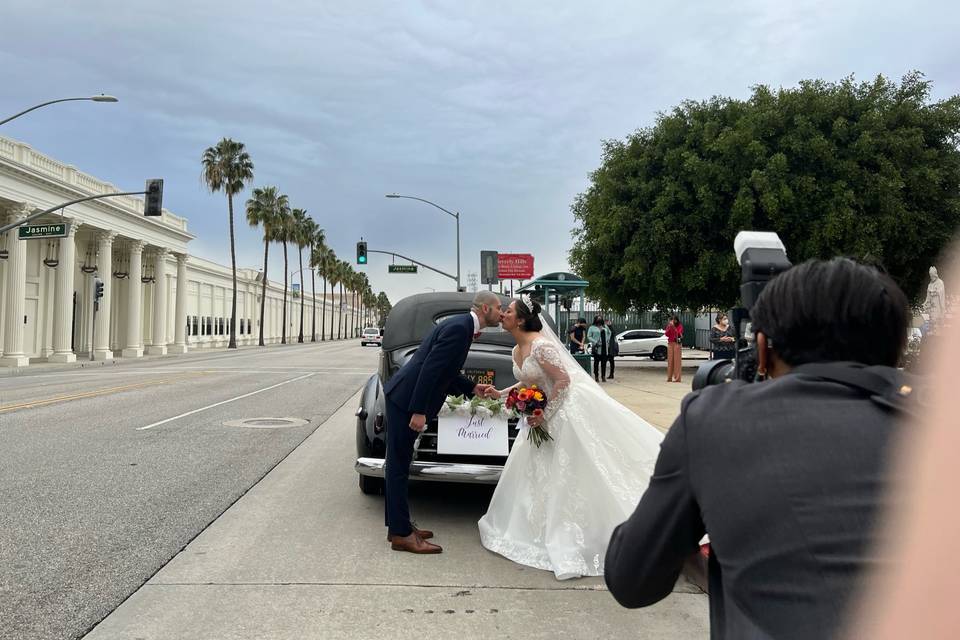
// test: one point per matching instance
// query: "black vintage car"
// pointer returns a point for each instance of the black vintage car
(489, 361)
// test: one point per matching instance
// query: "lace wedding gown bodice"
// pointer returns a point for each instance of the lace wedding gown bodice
(543, 358)
(556, 505)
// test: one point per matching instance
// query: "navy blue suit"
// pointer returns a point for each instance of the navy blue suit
(421, 386)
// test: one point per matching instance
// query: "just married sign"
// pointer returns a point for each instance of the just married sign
(475, 435)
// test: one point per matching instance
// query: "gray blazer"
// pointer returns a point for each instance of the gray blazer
(788, 476)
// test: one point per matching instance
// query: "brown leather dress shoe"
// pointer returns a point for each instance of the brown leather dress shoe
(423, 533)
(414, 544)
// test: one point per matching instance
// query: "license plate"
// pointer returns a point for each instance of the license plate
(481, 376)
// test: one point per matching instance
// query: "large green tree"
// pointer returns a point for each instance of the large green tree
(869, 170)
(227, 167)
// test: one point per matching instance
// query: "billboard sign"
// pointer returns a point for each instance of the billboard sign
(515, 266)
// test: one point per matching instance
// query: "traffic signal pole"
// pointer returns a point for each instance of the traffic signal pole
(34, 216)
(425, 266)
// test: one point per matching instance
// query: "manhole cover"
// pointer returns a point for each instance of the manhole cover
(267, 423)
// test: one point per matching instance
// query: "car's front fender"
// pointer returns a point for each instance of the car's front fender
(371, 420)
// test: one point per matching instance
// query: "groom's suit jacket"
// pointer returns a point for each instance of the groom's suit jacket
(788, 477)
(433, 371)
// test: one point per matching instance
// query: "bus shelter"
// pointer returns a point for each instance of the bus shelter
(552, 289)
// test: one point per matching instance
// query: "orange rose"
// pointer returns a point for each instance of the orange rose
(524, 396)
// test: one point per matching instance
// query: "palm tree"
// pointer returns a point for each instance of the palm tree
(343, 275)
(333, 274)
(283, 236)
(263, 210)
(317, 241)
(362, 286)
(383, 307)
(300, 235)
(227, 167)
(325, 259)
(354, 287)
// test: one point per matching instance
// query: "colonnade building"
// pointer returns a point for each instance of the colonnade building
(157, 298)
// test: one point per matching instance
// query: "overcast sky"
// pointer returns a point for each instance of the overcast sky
(494, 109)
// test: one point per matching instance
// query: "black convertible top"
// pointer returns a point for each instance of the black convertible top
(413, 317)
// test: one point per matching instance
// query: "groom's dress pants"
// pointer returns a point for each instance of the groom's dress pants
(400, 440)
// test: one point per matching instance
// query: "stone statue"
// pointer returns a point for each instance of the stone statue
(935, 304)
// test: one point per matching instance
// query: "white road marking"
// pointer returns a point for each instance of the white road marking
(217, 404)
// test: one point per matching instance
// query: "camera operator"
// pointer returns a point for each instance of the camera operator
(787, 475)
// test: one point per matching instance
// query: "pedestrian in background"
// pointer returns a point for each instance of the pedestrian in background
(722, 339)
(674, 332)
(578, 334)
(597, 336)
(613, 348)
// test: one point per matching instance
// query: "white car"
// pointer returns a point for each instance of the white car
(643, 342)
(371, 335)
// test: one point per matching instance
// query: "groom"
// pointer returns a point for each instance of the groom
(414, 395)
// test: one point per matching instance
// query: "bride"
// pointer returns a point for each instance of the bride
(556, 505)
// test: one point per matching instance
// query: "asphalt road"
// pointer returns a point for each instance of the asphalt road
(106, 473)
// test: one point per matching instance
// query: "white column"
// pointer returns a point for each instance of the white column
(63, 301)
(15, 301)
(180, 315)
(101, 341)
(134, 348)
(159, 342)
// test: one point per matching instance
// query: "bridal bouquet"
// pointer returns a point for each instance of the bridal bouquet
(529, 401)
(475, 406)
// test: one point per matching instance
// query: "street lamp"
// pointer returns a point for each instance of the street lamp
(100, 98)
(450, 213)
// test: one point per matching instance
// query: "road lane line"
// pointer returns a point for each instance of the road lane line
(217, 404)
(90, 394)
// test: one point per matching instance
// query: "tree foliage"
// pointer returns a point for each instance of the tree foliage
(869, 170)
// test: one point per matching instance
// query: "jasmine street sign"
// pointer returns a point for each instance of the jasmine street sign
(31, 231)
(401, 268)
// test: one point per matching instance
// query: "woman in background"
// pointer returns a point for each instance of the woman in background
(722, 339)
(674, 332)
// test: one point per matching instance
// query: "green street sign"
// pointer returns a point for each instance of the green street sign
(31, 231)
(401, 268)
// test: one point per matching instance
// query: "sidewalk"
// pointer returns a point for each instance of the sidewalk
(642, 387)
(303, 555)
(39, 366)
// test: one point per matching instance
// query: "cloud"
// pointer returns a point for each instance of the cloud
(493, 109)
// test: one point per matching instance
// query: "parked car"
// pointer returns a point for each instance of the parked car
(643, 342)
(489, 361)
(371, 335)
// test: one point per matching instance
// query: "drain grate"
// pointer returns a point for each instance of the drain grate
(267, 423)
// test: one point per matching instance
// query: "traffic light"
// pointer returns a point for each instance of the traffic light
(153, 199)
(97, 289)
(361, 252)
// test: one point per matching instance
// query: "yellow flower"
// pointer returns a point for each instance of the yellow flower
(538, 395)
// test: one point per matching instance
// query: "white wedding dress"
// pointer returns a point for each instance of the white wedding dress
(556, 506)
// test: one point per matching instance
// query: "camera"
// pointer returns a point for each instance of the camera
(761, 256)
